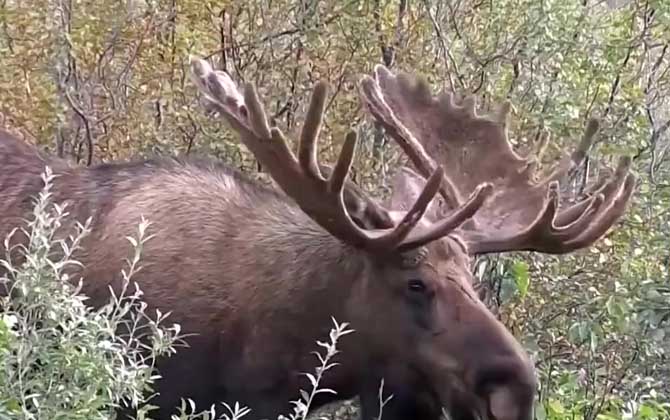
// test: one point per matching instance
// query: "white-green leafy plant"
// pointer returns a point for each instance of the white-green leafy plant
(59, 358)
(301, 406)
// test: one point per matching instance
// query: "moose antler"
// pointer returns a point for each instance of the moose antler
(301, 178)
(523, 213)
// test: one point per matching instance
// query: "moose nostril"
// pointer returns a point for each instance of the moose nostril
(502, 404)
(508, 386)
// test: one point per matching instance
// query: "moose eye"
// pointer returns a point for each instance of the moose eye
(416, 286)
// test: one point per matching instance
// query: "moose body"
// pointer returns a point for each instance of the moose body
(263, 279)
(243, 331)
(258, 286)
(258, 273)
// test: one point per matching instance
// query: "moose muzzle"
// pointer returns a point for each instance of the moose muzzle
(480, 371)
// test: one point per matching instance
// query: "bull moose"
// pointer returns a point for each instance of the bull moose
(256, 272)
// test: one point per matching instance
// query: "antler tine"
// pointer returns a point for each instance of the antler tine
(576, 211)
(301, 178)
(610, 193)
(339, 175)
(607, 218)
(257, 117)
(453, 221)
(605, 187)
(586, 219)
(310, 131)
(559, 232)
(395, 239)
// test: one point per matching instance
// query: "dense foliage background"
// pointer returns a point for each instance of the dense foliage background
(96, 80)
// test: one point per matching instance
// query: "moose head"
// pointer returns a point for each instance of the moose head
(406, 262)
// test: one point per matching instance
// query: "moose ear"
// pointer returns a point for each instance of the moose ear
(407, 185)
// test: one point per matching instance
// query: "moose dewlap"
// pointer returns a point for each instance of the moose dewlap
(256, 273)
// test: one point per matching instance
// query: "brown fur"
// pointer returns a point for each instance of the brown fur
(257, 280)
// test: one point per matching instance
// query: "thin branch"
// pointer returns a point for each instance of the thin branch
(87, 125)
(447, 56)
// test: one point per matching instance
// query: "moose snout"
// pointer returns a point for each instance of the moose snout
(506, 385)
(493, 381)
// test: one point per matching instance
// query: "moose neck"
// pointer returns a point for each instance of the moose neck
(312, 271)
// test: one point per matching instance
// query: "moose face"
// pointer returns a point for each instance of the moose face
(422, 315)
(423, 312)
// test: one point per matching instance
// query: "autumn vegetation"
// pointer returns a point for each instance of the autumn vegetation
(95, 81)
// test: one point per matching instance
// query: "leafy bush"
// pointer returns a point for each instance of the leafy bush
(59, 358)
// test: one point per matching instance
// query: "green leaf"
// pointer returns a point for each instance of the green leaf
(554, 407)
(13, 405)
(540, 412)
(647, 412)
(521, 277)
(614, 308)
